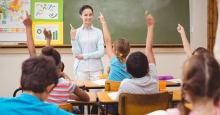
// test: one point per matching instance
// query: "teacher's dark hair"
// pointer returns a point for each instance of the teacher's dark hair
(85, 7)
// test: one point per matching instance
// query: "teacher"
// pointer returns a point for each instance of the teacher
(87, 47)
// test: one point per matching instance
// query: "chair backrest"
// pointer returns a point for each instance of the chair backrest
(15, 92)
(67, 106)
(103, 76)
(112, 85)
(140, 104)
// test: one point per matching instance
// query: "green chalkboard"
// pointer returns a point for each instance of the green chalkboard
(125, 18)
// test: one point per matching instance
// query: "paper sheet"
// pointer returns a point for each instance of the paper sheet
(113, 95)
(99, 82)
(70, 100)
(175, 80)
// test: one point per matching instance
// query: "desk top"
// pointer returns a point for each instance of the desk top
(80, 84)
(90, 85)
(104, 98)
(92, 100)
(171, 84)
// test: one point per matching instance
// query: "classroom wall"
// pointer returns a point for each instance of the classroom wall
(169, 60)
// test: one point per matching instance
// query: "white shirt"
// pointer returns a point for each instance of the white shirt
(89, 42)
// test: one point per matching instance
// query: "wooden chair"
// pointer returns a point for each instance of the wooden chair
(15, 92)
(103, 76)
(67, 106)
(112, 85)
(140, 104)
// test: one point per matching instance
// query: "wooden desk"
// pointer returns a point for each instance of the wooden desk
(92, 100)
(171, 84)
(90, 85)
(80, 84)
(92, 96)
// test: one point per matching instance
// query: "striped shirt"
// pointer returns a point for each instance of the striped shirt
(60, 93)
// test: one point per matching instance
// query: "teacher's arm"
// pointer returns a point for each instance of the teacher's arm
(75, 45)
(100, 48)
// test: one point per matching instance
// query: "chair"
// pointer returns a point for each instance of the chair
(112, 85)
(15, 92)
(103, 76)
(67, 106)
(140, 104)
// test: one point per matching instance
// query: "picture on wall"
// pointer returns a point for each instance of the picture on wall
(12, 14)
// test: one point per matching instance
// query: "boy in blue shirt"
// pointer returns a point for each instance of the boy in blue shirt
(38, 78)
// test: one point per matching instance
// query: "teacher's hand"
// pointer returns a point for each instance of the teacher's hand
(79, 57)
(72, 33)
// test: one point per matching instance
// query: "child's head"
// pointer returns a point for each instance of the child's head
(121, 48)
(39, 75)
(50, 51)
(200, 79)
(137, 64)
(86, 13)
(200, 50)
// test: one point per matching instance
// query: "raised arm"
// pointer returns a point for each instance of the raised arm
(48, 36)
(217, 41)
(149, 39)
(186, 44)
(30, 43)
(107, 37)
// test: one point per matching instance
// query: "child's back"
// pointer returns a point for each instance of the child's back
(38, 78)
(117, 64)
(140, 83)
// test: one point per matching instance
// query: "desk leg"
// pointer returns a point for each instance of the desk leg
(106, 109)
(88, 109)
(81, 108)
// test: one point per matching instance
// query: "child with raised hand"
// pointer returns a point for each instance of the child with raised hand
(200, 87)
(186, 44)
(64, 88)
(142, 68)
(117, 55)
(48, 35)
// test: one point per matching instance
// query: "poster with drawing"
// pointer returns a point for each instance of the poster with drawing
(12, 14)
(56, 29)
(46, 10)
(40, 35)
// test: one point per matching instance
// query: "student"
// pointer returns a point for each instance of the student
(186, 44)
(200, 87)
(142, 68)
(48, 35)
(117, 55)
(87, 47)
(64, 86)
(38, 77)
